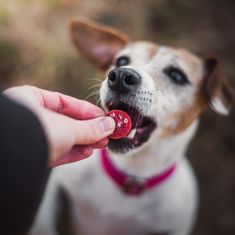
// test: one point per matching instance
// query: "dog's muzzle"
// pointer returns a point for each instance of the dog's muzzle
(123, 93)
(123, 80)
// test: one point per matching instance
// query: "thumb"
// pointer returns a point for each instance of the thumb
(91, 131)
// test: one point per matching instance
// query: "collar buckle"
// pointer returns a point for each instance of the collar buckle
(134, 185)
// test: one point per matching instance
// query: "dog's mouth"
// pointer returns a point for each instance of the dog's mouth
(142, 127)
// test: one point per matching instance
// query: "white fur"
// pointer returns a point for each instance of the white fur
(98, 206)
(218, 106)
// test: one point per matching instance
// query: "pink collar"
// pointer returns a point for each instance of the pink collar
(133, 185)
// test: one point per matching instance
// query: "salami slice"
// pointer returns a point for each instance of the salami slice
(123, 124)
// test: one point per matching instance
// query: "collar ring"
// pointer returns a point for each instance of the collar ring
(134, 185)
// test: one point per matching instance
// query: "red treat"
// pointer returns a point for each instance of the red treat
(123, 124)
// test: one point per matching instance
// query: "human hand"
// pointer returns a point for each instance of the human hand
(73, 127)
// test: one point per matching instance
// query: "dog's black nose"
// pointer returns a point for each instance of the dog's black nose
(123, 80)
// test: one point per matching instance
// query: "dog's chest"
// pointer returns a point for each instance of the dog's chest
(98, 201)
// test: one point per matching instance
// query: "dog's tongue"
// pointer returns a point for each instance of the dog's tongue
(123, 124)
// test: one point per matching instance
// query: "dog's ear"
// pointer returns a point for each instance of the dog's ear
(217, 88)
(97, 43)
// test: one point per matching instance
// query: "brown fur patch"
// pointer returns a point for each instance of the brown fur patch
(187, 116)
(216, 86)
(152, 51)
(98, 44)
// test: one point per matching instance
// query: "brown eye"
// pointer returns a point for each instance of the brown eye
(176, 76)
(122, 61)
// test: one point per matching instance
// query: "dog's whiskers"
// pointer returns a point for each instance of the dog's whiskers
(95, 80)
(95, 93)
(93, 87)
(98, 101)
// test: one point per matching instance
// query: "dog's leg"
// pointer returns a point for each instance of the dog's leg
(45, 221)
(65, 220)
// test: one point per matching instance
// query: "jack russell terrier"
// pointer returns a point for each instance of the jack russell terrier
(142, 184)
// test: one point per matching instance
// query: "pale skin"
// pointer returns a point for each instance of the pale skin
(74, 128)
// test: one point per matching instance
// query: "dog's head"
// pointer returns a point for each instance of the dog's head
(163, 89)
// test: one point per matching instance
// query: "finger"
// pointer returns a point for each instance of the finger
(101, 144)
(77, 153)
(91, 131)
(67, 105)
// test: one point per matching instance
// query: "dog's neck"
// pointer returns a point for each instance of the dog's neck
(155, 156)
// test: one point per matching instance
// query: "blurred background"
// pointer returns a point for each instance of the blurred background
(35, 49)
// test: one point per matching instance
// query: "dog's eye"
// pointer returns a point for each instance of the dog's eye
(177, 76)
(122, 61)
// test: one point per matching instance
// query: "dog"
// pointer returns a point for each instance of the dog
(143, 184)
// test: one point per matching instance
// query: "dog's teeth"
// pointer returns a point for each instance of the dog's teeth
(131, 134)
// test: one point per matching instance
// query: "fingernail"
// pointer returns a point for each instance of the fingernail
(107, 123)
